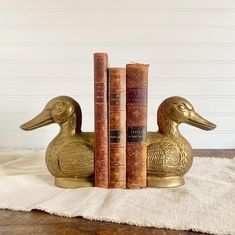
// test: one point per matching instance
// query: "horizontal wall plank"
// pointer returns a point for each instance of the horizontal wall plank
(77, 17)
(89, 34)
(14, 53)
(155, 87)
(77, 68)
(106, 4)
(33, 105)
(117, 44)
(210, 140)
(26, 140)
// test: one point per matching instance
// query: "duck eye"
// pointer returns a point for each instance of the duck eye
(59, 107)
(181, 107)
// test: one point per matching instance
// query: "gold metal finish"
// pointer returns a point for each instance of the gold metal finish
(169, 153)
(165, 182)
(73, 183)
(70, 155)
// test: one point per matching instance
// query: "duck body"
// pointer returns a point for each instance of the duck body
(169, 153)
(70, 155)
(168, 157)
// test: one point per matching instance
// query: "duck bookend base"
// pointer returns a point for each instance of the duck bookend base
(165, 182)
(73, 183)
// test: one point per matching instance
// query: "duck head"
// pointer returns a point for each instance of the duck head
(62, 110)
(176, 110)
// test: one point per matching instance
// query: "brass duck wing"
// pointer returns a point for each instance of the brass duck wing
(163, 156)
(87, 138)
(76, 160)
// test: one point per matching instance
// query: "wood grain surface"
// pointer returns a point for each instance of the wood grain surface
(37, 222)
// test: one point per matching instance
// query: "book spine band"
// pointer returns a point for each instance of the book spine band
(101, 119)
(117, 127)
(136, 124)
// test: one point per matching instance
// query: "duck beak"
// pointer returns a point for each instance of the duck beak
(196, 120)
(42, 119)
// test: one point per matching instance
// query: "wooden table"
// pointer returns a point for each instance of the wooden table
(37, 222)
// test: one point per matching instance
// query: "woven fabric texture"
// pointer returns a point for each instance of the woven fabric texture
(206, 203)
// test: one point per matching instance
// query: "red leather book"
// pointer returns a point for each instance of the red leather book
(136, 124)
(101, 119)
(117, 127)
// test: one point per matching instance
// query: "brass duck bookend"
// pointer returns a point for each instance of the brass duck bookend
(169, 153)
(70, 155)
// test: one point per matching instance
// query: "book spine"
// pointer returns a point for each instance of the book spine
(136, 124)
(101, 119)
(117, 127)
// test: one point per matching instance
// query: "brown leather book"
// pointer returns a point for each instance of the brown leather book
(101, 119)
(136, 124)
(117, 127)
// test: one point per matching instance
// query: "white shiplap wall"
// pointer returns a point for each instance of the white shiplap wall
(46, 50)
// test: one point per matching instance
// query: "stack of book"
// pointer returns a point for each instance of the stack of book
(120, 124)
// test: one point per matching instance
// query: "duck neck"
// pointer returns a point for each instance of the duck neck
(70, 127)
(169, 128)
